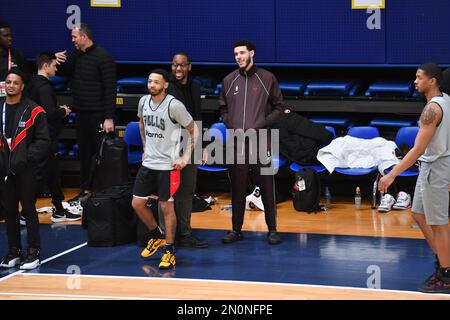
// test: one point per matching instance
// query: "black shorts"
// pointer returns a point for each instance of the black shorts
(149, 182)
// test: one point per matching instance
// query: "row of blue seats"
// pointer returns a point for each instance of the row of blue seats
(344, 88)
(345, 122)
(405, 136)
(297, 88)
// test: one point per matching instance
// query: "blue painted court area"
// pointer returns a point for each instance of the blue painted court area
(312, 259)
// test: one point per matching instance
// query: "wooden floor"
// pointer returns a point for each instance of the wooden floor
(341, 219)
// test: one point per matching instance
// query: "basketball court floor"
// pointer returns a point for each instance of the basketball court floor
(341, 254)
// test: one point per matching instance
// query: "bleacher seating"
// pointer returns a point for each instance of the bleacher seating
(59, 83)
(331, 88)
(390, 89)
(132, 85)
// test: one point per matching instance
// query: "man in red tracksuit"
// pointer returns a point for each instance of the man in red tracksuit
(250, 99)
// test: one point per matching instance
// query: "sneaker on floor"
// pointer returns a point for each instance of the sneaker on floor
(167, 260)
(387, 201)
(436, 283)
(403, 201)
(190, 241)
(64, 215)
(32, 260)
(11, 259)
(273, 238)
(232, 236)
(152, 246)
(22, 220)
(82, 194)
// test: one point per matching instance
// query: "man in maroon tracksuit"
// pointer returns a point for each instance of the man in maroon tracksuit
(250, 99)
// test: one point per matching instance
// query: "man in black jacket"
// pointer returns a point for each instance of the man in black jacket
(187, 91)
(42, 92)
(93, 86)
(250, 100)
(9, 57)
(24, 142)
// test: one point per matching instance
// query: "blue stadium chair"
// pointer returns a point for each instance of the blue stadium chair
(132, 137)
(390, 89)
(363, 133)
(406, 136)
(318, 168)
(74, 152)
(292, 88)
(218, 88)
(217, 131)
(59, 83)
(393, 123)
(132, 85)
(71, 120)
(334, 122)
(331, 88)
(62, 149)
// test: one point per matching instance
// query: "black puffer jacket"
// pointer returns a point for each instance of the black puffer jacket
(93, 80)
(300, 138)
(31, 141)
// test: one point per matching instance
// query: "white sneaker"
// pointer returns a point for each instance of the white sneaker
(403, 201)
(387, 201)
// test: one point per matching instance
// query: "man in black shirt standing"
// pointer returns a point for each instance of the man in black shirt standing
(9, 57)
(42, 92)
(187, 91)
(93, 72)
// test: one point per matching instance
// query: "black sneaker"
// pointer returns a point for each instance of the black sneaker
(64, 215)
(233, 236)
(32, 260)
(190, 241)
(11, 259)
(273, 237)
(436, 283)
(78, 197)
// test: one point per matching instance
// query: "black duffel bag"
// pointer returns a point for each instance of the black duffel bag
(109, 218)
(110, 164)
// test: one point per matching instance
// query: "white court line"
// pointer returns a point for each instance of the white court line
(44, 261)
(63, 253)
(76, 296)
(238, 282)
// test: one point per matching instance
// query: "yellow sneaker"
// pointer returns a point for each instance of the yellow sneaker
(152, 246)
(167, 260)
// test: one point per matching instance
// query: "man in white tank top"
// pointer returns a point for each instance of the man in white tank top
(162, 118)
(431, 197)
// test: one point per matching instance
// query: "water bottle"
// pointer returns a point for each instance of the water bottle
(357, 198)
(374, 193)
(327, 198)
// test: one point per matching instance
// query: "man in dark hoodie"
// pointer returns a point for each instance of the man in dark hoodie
(42, 92)
(187, 91)
(24, 141)
(250, 99)
(9, 57)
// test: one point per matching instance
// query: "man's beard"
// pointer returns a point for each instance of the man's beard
(247, 63)
(156, 93)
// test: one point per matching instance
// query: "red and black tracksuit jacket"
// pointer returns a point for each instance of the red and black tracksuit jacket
(30, 141)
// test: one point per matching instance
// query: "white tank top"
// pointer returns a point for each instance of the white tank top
(439, 145)
(161, 135)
